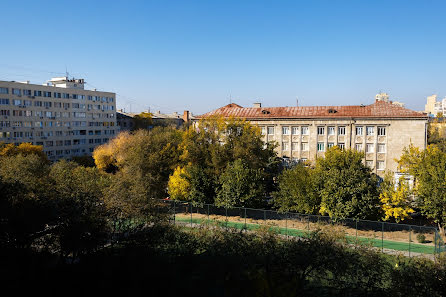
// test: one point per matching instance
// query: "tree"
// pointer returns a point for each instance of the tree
(24, 149)
(82, 216)
(25, 208)
(395, 202)
(429, 169)
(147, 157)
(296, 190)
(346, 186)
(240, 186)
(143, 120)
(179, 185)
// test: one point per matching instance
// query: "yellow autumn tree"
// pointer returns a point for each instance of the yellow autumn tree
(395, 203)
(25, 149)
(178, 185)
(108, 156)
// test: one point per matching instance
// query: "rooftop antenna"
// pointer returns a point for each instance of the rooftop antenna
(297, 101)
(230, 99)
(66, 71)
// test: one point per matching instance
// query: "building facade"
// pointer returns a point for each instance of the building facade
(434, 107)
(381, 130)
(62, 116)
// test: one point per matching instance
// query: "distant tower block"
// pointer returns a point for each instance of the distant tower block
(382, 97)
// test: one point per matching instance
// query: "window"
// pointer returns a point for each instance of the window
(57, 95)
(37, 103)
(358, 147)
(295, 130)
(294, 146)
(370, 147)
(285, 146)
(270, 130)
(16, 102)
(304, 130)
(46, 94)
(331, 130)
(66, 96)
(47, 104)
(38, 93)
(370, 130)
(304, 146)
(320, 146)
(341, 130)
(26, 92)
(4, 91)
(381, 131)
(285, 130)
(4, 101)
(17, 92)
(380, 165)
(320, 130)
(341, 146)
(369, 164)
(381, 148)
(263, 129)
(359, 131)
(330, 145)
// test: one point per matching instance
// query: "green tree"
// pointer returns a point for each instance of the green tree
(82, 216)
(346, 186)
(240, 186)
(296, 190)
(25, 208)
(429, 169)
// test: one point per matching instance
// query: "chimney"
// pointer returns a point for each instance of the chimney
(186, 116)
(257, 105)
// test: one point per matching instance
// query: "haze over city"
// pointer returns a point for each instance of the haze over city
(200, 55)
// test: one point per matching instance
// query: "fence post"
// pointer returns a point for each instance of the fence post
(174, 214)
(382, 236)
(286, 224)
(356, 229)
(308, 223)
(245, 218)
(226, 223)
(190, 205)
(410, 238)
(208, 215)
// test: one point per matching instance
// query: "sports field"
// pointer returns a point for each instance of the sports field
(375, 242)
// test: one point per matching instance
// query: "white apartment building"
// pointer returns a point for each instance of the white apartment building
(435, 107)
(61, 115)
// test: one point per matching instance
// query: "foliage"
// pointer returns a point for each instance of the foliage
(421, 238)
(82, 217)
(208, 147)
(395, 202)
(179, 185)
(143, 120)
(240, 186)
(346, 186)
(24, 148)
(144, 159)
(429, 169)
(297, 190)
(24, 206)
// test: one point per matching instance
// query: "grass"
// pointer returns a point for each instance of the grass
(375, 242)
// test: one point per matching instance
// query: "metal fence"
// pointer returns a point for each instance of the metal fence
(409, 240)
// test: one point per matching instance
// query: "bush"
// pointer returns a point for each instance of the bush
(421, 238)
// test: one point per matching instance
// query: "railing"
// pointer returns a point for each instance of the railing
(393, 238)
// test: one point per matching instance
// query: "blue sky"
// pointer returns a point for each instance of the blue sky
(195, 55)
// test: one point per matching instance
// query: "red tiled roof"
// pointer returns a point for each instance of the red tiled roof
(379, 109)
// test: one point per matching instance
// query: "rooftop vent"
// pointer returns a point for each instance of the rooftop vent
(331, 110)
(266, 111)
(257, 105)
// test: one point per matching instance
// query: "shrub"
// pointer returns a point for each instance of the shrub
(421, 238)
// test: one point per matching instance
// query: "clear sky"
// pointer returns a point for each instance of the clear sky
(196, 55)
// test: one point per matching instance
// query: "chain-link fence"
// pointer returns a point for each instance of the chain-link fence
(409, 240)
